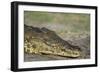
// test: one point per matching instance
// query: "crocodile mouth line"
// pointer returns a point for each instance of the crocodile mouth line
(64, 54)
(49, 51)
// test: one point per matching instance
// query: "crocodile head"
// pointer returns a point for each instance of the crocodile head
(45, 41)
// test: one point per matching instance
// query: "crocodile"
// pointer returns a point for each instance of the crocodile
(45, 41)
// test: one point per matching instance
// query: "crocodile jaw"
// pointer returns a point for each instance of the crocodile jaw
(42, 48)
(67, 53)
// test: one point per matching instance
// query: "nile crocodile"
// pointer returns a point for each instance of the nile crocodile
(44, 41)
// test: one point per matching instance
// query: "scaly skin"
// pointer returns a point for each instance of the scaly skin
(45, 41)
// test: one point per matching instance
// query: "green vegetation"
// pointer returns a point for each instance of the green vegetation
(64, 24)
(76, 20)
